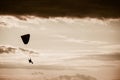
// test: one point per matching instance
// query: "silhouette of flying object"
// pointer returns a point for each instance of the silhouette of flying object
(25, 38)
(30, 61)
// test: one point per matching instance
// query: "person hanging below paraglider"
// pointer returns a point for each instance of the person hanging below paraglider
(30, 61)
(25, 39)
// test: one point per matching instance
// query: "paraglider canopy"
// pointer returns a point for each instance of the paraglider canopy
(25, 38)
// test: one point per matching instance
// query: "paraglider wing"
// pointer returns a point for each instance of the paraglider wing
(25, 38)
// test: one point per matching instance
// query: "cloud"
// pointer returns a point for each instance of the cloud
(81, 24)
(74, 40)
(4, 49)
(105, 57)
(60, 77)
(73, 77)
(62, 8)
(7, 49)
(112, 46)
(115, 56)
(29, 51)
(3, 24)
(12, 21)
(18, 64)
(85, 41)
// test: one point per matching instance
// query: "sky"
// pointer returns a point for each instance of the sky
(82, 32)
(61, 36)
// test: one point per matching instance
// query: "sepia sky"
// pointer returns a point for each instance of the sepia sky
(85, 33)
(57, 26)
(88, 45)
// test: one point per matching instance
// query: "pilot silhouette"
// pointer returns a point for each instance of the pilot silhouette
(30, 61)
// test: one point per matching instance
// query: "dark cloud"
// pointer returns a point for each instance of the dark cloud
(62, 8)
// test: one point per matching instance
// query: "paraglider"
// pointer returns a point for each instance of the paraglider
(25, 38)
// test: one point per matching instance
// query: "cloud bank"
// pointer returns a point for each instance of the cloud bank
(62, 8)
(60, 77)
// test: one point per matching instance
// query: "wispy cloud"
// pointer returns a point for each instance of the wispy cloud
(112, 46)
(73, 40)
(8, 49)
(106, 57)
(101, 57)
